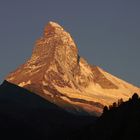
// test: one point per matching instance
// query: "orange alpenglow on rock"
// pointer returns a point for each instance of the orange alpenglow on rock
(57, 73)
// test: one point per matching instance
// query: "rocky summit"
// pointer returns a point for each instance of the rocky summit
(57, 73)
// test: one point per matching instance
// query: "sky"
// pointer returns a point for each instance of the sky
(107, 32)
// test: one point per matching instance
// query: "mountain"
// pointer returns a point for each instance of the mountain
(57, 73)
(25, 115)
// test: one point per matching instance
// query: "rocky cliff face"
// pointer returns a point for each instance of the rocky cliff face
(56, 72)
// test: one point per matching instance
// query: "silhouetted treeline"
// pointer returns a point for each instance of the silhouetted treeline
(113, 106)
(119, 103)
(121, 121)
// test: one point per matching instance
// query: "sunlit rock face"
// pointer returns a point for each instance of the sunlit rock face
(56, 72)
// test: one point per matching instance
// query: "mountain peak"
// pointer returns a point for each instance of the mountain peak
(52, 28)
(54, 24)
(56, 45)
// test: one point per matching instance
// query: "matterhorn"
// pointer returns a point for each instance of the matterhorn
(59, 74)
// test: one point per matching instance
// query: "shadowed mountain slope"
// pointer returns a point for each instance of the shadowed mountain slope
(25, 115)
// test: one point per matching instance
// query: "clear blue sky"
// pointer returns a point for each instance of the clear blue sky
(107, 32)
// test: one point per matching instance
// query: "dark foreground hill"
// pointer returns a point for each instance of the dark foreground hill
(24, 115)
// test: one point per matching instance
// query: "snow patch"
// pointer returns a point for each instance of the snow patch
(22, 84)
(47, 93)
(44, 83)
(11, 78)
(85, 70)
